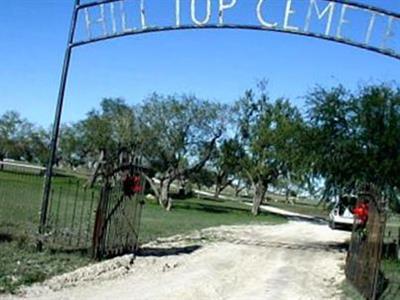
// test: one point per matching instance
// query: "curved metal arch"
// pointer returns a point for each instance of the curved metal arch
(71, 44)
(386, 52)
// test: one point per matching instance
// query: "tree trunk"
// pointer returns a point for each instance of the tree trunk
(321, 202)
(217, 191)
(220, 188)
(169, 204)
(239, 187)
(181, 188)
(259, 193)
(287, 191)
(164, 193)
(218, 184)
(98, 165)
(287, 196)
(152, 185)
(238, 190)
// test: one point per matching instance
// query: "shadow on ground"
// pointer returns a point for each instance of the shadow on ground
(311, 219)
(301, 246)
(210, 208)
(5, 237)
(153, 251)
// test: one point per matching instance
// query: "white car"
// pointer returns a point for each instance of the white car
(341, 217)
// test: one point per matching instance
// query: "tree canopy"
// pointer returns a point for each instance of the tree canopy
(269, 132)
(343, 139)
(179, 135)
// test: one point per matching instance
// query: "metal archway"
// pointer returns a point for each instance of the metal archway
(110, 31)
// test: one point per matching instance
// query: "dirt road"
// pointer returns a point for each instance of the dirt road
(298, 260)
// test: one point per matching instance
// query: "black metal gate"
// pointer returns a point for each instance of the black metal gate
(364, 256)
(116, 229)
(100, 216)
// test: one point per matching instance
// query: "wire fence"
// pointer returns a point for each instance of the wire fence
(72, 210)
(19, 202)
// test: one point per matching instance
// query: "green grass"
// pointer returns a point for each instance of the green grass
(391, 269)
(349, 292)
(302, 208)
(71, 206)
(20, 198)
(192, 214)
(21, 264)
(20, 202)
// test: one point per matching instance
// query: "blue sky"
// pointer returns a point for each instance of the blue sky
(219, 65)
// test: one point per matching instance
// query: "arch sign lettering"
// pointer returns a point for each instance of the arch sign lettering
(373, 28)
(347, 22)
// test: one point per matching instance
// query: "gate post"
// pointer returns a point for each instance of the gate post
(364, 256)
(56, 127)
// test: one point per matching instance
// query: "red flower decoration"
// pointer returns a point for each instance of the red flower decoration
(132, 185)
(361, 213)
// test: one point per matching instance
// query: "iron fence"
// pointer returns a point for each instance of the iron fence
(72, 209)
(19, 201)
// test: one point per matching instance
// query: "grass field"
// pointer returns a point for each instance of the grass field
(391, 270)
(19, 214)
(192, 214)
(20, 200)
(302, 208)
(20, 263)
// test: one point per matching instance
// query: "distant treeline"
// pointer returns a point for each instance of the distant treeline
(339, 140)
